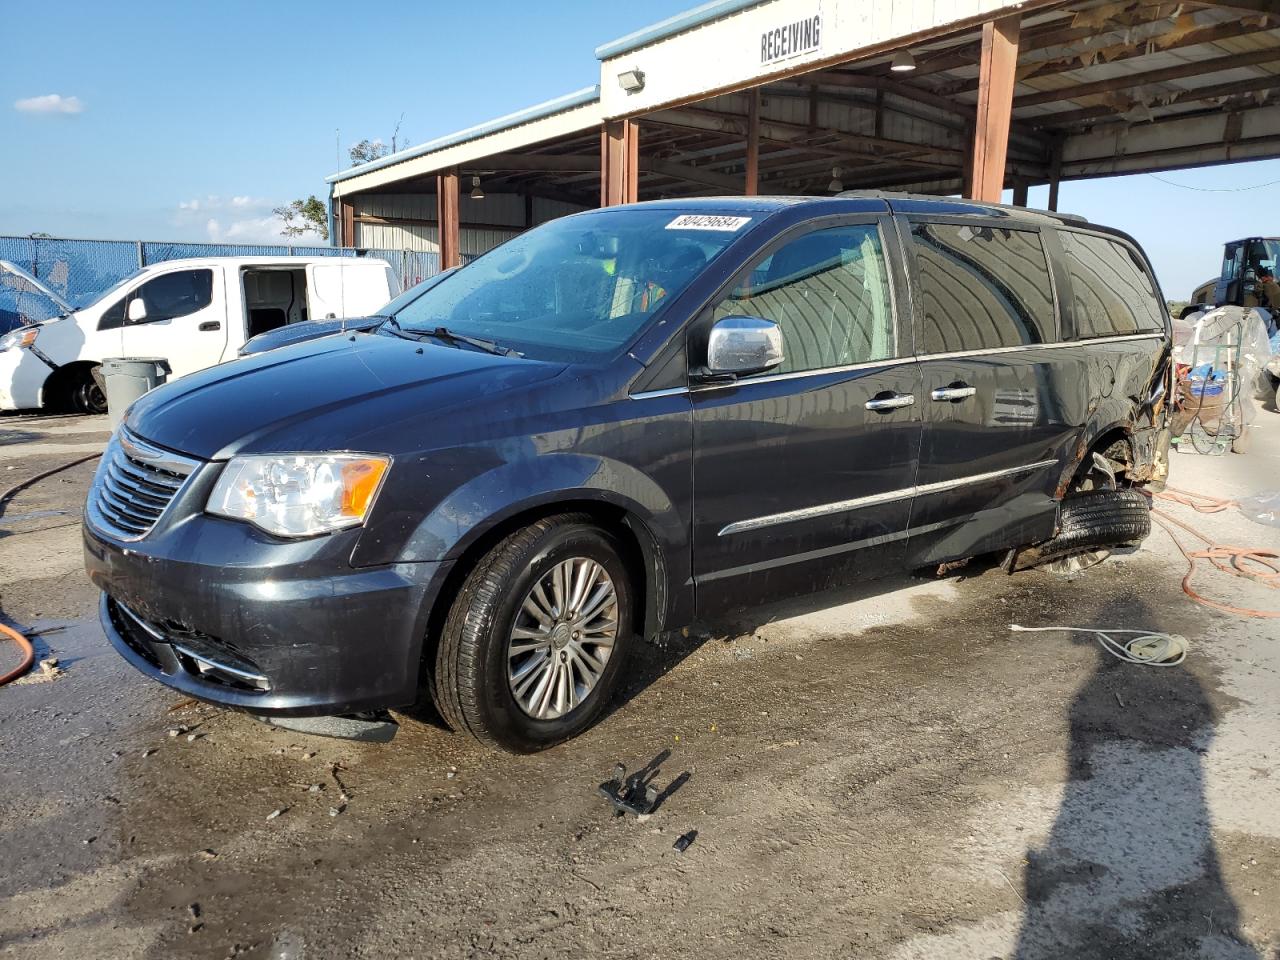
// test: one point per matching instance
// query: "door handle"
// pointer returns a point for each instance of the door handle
(957, 392)
(890, 401)
(211, 325)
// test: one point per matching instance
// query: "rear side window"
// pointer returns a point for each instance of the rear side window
(982, 287)
(829, 292)
(174, 295)
(1111, 294)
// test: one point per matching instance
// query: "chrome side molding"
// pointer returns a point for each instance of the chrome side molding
(843, 506)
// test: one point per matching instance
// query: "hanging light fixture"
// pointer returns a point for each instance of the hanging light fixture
(836, 184)
(476, 192)
(902, 62)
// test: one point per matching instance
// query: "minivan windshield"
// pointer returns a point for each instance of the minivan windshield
(575, 289)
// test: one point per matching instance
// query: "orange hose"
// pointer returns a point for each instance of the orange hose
(28, 654)
(1258, 566)
(1199, 502)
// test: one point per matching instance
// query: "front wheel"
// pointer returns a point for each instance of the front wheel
(533, 645)
(88, 397)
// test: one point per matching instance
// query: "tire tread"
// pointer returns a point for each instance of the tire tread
(459, 674)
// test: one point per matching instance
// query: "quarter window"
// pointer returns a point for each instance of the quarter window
(113, 316)
(1111, 293)
(982, 287)
(174, 295)
(829, 292)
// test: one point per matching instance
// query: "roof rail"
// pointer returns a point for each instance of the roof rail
(898, 195)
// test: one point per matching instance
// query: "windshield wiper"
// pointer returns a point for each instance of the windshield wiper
(488, 346)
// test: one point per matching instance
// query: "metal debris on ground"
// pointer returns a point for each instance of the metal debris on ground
(275, 813)
(684, 841)
(629, 794)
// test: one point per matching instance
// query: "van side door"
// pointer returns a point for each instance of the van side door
(346, 288)
(1001, 409)
(186, 319)
(802, 474)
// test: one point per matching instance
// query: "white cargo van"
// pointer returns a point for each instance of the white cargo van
(192, 313)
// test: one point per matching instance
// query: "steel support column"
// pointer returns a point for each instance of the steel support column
(752, 174)
(346, 223)
(996, 78)
(447, 219)
(619, 162)
(1055, 171)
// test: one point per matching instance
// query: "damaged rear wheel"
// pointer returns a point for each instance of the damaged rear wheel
(1090, 522)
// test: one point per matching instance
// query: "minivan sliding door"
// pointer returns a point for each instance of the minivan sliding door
(803, 474)
(999, 406)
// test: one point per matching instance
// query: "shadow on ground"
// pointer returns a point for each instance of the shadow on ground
(1130, 868)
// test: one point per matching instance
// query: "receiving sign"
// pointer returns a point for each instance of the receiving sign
(791, 39)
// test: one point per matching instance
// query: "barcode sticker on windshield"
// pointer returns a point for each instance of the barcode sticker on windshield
(707, 221)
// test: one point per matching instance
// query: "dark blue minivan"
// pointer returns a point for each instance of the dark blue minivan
(618, 422)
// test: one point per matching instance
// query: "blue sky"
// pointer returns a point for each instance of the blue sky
(190, 121)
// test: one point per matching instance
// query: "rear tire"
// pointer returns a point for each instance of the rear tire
(1098, 518)
(478, 663)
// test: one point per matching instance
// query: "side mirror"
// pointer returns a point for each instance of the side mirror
(137, 311)
(743, 345)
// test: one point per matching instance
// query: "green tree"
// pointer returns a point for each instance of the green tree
(367, 150)
(303, 217)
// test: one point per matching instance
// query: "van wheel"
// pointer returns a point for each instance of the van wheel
(88, 397)
(532, 647)
(1092, 520)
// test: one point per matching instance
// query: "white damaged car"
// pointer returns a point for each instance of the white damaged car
(191, 313)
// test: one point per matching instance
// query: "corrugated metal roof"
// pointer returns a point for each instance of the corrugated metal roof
(538, 111)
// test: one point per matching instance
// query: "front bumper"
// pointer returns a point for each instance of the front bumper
(221, 613)
(22, 377)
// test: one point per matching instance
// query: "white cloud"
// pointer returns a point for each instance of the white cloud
(240, 218)
(49, 103)
(251, 230)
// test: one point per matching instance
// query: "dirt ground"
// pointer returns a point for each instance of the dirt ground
(884, 773)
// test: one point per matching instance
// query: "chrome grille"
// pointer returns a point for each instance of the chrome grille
(134, 485)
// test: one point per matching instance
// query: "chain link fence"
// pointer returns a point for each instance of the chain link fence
(79, 270)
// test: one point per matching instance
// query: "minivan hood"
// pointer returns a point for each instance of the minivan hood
(320, 395)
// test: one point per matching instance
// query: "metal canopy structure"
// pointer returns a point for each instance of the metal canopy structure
(814, 96)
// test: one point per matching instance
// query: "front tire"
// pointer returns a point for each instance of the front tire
(534, 642)
(88, 397)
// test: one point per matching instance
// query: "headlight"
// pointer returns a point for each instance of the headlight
(22, 337)
(299, 495)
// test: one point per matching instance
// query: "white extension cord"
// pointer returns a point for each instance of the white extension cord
(1148, 648)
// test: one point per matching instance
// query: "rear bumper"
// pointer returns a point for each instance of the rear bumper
(304, 637)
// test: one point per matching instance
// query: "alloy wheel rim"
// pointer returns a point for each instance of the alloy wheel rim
(563, 635)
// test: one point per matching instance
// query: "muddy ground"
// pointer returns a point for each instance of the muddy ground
(888, 772)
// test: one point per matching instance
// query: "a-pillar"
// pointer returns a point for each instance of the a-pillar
(447, 219)
(996, 77)
(619, 162)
